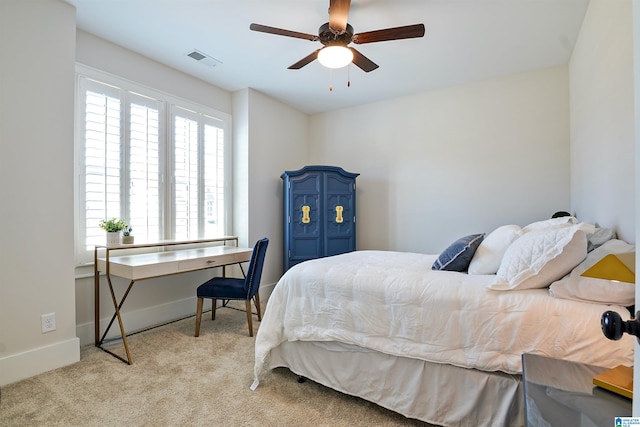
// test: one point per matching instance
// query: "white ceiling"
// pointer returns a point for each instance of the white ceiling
(465, 41)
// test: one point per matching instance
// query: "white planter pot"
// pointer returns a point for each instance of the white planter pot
(113, 237)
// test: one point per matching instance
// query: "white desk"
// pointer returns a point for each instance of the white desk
(141, 266)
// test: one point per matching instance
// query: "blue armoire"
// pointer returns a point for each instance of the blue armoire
(319, 213)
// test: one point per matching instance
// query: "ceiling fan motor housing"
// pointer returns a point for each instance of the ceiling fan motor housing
(329, 36)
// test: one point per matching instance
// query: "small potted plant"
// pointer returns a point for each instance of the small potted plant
(127, 238)
(113, 227)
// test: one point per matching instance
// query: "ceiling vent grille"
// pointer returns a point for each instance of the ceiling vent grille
(203, 58)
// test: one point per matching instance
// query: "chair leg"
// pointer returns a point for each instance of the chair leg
(199, 316)
(248, 303)
(214, 303)
(256, 301)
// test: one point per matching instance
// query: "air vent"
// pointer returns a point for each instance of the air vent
(196, 55)
(203, 58)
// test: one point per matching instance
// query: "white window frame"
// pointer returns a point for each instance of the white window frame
(168, 105)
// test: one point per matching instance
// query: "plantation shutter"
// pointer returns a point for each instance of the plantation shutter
(102, 159)
(214, 208)
(198, 189)
(185, 174)
(144, 201)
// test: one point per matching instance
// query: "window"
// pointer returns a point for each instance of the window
(156, 161)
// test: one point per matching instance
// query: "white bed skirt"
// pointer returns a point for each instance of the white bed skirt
(439, 394)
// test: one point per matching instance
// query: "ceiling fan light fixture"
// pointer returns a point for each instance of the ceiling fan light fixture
(335, 56)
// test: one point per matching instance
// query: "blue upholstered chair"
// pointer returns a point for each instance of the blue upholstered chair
(229, 288)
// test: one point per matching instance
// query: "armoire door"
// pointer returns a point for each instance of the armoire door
(339, 234)
(304, 219)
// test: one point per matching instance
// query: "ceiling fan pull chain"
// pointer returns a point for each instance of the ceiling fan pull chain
(349, 75)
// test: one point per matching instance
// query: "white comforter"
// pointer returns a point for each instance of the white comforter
(394, 303)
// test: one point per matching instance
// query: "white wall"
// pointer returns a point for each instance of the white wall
(270, 137)
(604, 129)
(108, 57)
(37, 47)
(602, 121)
(438, 165)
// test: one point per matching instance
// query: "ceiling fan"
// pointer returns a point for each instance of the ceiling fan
(337, 34)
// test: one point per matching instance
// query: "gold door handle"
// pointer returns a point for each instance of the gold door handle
(339, 218)
(305, 214)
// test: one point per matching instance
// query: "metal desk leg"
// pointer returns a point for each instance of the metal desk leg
(117, 306)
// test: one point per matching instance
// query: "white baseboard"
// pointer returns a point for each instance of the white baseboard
(36, 361)
(152, 316)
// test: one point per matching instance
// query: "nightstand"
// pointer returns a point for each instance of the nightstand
(561, 393)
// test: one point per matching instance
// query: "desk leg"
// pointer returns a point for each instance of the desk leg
(117, 315)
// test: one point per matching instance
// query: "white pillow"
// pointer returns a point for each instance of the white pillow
(540, 257)
(590, 289)
(487, 258)
(563, 221)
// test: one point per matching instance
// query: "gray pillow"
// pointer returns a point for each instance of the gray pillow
(600, 237)
(457, 256)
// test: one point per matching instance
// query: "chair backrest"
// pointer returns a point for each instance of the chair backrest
(254, 273)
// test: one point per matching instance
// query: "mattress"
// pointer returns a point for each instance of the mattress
(394, 303)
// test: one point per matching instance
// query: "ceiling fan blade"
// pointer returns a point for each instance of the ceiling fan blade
(362, 61)
(339, 14)
(281, 32)
(304, 61)
(397, 33)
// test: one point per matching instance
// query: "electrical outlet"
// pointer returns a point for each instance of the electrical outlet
(48, 322)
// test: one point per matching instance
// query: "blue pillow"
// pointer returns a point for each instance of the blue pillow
(457, 256)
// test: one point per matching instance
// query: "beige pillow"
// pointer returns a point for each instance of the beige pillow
(598, 291)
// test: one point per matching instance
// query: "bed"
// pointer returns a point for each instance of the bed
(440, 346)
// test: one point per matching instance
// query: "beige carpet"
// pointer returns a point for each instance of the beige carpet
(179, 380)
